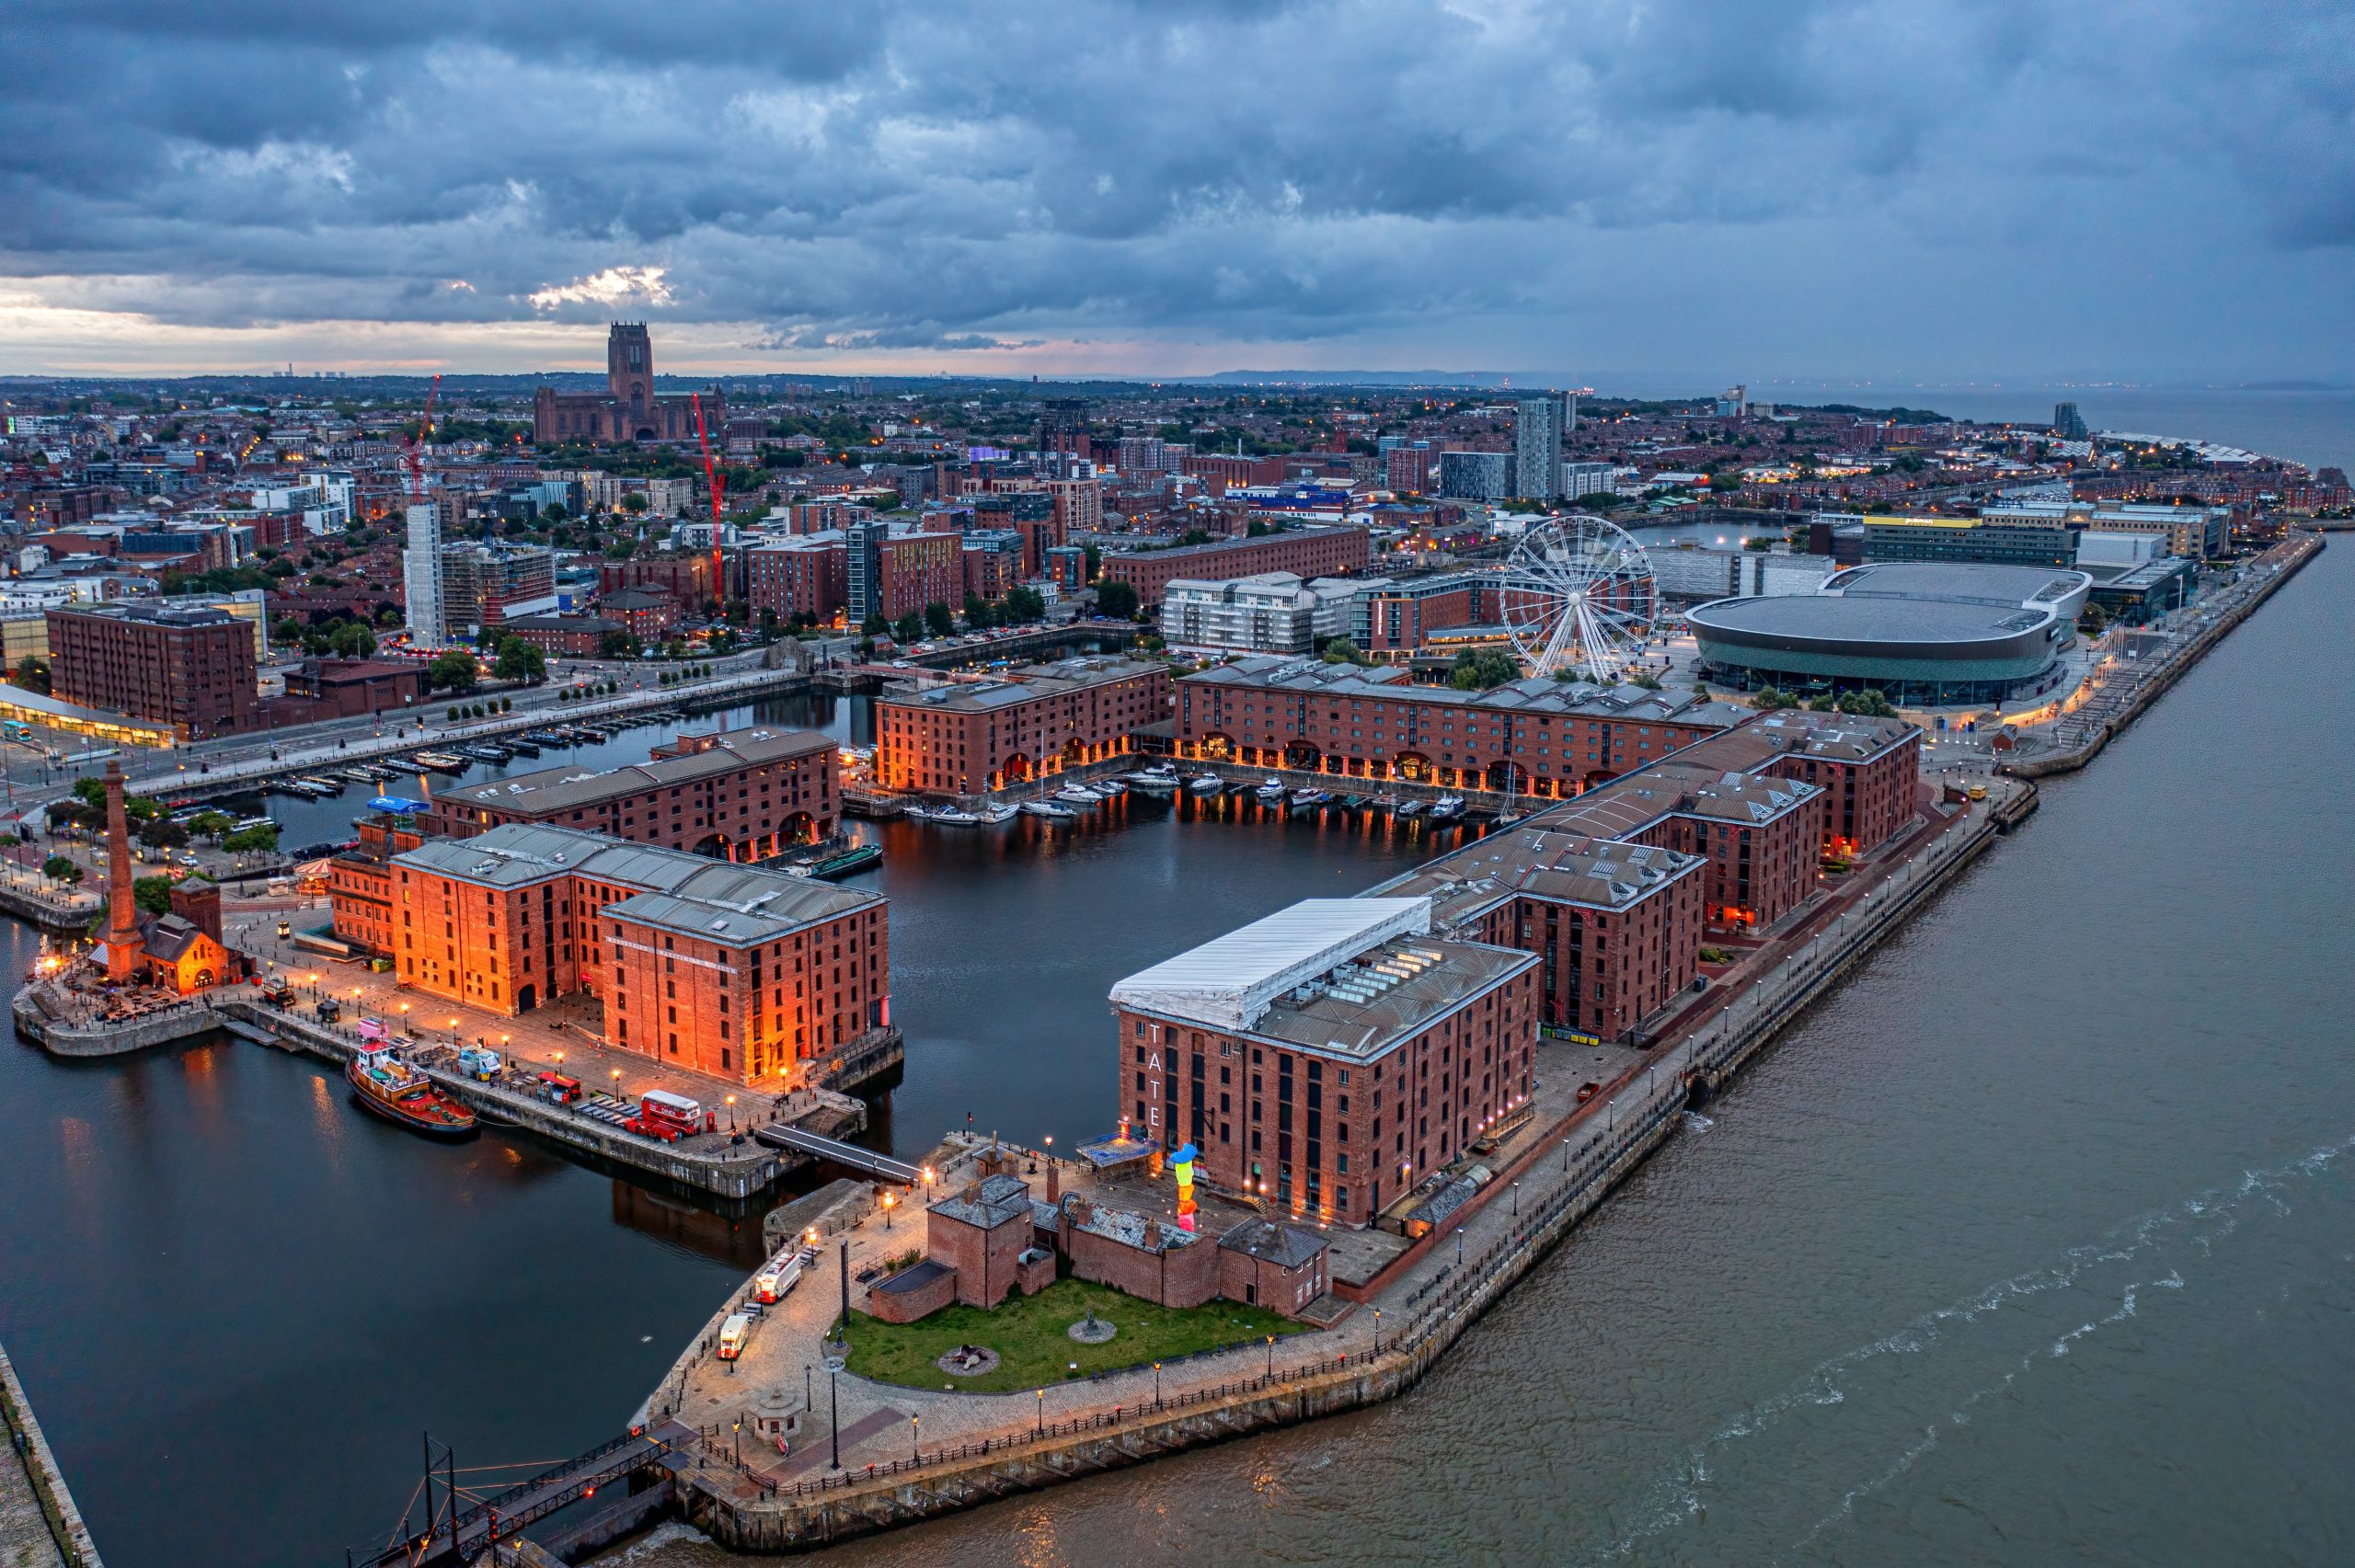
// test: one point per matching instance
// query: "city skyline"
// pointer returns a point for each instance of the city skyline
(1920, 191)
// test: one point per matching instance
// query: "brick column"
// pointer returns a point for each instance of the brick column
(122, 915)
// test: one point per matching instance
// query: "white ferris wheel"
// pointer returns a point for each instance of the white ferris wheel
(1578, 596)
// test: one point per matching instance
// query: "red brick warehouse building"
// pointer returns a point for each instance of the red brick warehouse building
(738, 796)
(1604, 900)
(749, 975)
(647, 614)
(1534, 737)
(972, 737)
(1308, 552)
(569, 637)
(1321, 1056)
(190, 668)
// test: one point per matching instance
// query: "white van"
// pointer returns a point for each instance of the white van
(732, 1335)
(777, 1277)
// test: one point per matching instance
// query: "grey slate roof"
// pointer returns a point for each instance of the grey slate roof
(714, 899)
(551, 790)
(990, 1203)
(1286, 1246)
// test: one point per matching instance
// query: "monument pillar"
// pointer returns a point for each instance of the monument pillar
(122, 937)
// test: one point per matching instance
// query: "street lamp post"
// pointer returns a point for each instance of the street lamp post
(1156, 1385)
(914, 1452)
(1271, 1356)
(835, 1414)
(1043, 1413)
(1378, 1331)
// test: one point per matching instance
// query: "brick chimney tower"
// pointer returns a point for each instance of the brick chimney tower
(122, 938)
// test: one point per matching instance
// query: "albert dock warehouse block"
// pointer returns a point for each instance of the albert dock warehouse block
(739, 794)
(965, 738)
(724, 969)
(1532, 737)
(1327, 1063)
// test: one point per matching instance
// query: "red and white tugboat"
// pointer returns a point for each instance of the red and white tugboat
(389, 1087)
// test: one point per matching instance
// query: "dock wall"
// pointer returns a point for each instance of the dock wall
(59, 920)
(816, 1513)
(744, 1176)
(67, 1532)
(2100, 735)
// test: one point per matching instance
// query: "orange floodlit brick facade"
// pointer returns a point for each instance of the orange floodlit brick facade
(1395, 1051)
(1543, 737)
(749, 975)
(971, 736)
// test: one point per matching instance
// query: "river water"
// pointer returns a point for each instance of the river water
(2036, 1241)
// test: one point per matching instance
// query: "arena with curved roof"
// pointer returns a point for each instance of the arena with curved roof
(1923, 634)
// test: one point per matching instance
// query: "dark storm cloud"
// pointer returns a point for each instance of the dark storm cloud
(888, 176)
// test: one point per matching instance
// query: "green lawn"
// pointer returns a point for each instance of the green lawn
(1028, 1336)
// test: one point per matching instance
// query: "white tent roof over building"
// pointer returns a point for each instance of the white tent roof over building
(1229, 982)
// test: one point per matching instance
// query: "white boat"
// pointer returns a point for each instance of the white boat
(1079, 794)
(998, 811)
(1150, 782)
(1410, 809)
(1206, 784)
(946, 815)
(1271, 790)
(1448, 805)
(1050, 810)
(1111, 789)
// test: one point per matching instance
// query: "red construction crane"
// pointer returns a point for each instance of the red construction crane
(715, 484)
(415, 456)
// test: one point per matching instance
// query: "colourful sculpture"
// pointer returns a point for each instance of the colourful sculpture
(1184, 1167)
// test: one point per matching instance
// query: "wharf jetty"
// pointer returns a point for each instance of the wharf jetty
(40, 1526)
(58, 914)
(710, 1162)
(2080, 735)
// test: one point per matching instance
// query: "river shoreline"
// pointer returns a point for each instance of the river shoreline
(736, 1511)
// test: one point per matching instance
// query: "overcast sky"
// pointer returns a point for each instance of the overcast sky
(1726, 188)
